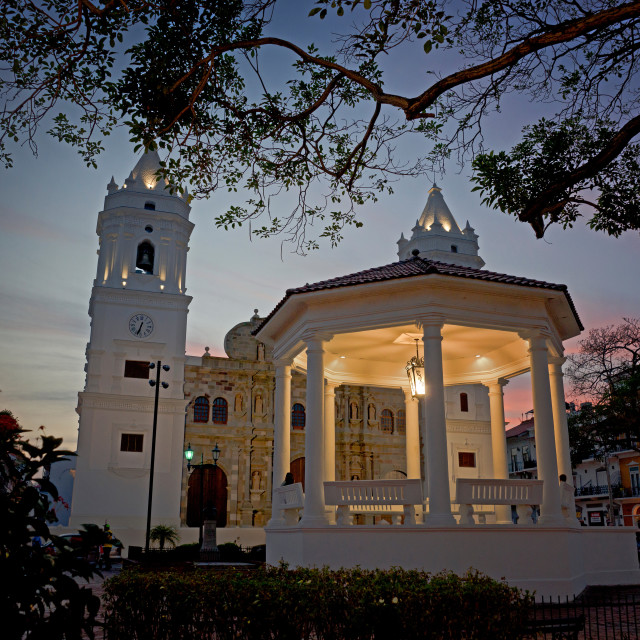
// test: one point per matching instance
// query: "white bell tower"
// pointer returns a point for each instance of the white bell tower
(138, 313)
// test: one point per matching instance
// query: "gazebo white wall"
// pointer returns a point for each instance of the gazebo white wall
(362, 334)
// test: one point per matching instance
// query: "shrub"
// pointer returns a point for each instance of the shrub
(39, 595)
(280, 603)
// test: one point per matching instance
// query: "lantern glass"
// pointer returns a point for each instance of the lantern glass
(415, 373)
(188, 454)
(215, 453)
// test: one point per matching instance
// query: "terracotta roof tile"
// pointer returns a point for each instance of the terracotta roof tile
(417, 266)
(520, 429)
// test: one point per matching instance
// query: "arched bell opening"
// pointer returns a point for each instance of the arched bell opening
(145, 258)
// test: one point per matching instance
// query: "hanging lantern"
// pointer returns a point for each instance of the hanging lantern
(415, 373)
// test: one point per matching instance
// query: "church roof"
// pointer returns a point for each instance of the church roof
(417, 266)
(436, 209)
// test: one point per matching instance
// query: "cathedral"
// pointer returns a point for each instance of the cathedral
(138, 312)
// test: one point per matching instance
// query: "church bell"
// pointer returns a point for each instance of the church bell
(145, 260)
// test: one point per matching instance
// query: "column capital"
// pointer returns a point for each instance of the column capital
(536, 337)
(433, 320)
(496, 386)
(315, 339)
(330, 386)
(556, 362)
(280, 363)
(407, 394)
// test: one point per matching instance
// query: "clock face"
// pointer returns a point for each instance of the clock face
(140, 325)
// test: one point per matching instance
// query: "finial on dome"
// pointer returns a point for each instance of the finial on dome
(112, 186)
(206, 353)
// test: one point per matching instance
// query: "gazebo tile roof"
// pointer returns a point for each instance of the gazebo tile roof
(417, 266)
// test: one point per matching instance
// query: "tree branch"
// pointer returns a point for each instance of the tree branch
(546, 203)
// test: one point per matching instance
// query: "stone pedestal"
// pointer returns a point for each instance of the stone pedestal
(209, 549)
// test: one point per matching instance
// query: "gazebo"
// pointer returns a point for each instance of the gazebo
(472, 326)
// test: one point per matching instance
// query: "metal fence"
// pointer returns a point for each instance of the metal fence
(598, 614)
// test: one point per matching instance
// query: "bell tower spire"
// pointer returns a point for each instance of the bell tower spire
(437, 236)
(138, 311)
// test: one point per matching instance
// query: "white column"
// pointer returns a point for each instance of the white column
(551, 512)
(314, 508)
(499, 443)
(436, 428)
(330, 440)
(412, 435)
(281, 431)
(561, 431)
(330, 431)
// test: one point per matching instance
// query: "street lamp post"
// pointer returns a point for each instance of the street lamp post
(188, 454)
(154, 383)
(215, 454)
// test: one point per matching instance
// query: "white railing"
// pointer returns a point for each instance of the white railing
(396, 498)
(287, 502)
(491, 491)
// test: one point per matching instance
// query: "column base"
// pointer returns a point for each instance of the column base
(310, 522)
(276, 522)
(552, 520)
(439, 520)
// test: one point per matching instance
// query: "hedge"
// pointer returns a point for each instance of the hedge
(273, 603)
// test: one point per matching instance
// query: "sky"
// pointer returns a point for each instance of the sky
(48, 212)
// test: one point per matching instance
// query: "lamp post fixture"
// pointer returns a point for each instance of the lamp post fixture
(215, 454)
(154, 383)
(415, 373)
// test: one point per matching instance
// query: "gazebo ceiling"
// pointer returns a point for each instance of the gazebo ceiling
(470, 354)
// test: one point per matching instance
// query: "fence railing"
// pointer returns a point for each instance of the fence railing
(600, 490)
(595, 615)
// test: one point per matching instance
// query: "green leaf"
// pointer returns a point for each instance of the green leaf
(428, 45)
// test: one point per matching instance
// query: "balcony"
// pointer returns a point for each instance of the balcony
(517, 466)
(600, 490)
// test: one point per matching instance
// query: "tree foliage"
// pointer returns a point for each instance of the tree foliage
(39, 595)
(240, 101)
(606, 373)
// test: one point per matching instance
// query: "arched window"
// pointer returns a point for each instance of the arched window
(219, 411)
(201, 409)
(386, 421)
(151, 206)
(464, 402)
(144, 258)
(298, 417)
(402, 421)
(454, 248)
